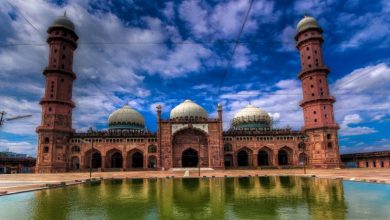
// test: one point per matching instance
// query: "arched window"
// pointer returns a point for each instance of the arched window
(45, 149)
(47, 140)
(227, 148)
(152, 149)
(329, 145)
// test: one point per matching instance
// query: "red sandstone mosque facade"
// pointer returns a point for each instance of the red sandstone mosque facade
(189, 138)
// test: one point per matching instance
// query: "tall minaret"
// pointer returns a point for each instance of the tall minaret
(317, 103)
(57, 104)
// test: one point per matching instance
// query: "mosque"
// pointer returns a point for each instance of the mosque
(189, 137)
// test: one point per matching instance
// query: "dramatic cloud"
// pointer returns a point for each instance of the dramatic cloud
(281, 103)
(364, 90)
(21, 147)
(346, 130)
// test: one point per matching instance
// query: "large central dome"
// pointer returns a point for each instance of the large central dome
(251, 117)
(126, 118)
(188, 110)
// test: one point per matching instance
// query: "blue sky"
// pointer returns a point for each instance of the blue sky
(145, 53)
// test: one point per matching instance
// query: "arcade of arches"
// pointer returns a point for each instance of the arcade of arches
(114, 159)
(186, 153)
(263, 157)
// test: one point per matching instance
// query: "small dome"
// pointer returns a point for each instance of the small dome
(251, 117)
(63, 21)
(126, 118)
(306, 23)
(188, 109)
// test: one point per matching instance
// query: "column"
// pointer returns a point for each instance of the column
(103, 162)
(254, 161)
(124, 162)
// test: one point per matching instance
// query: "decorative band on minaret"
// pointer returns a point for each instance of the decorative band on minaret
(317, 103)
(57, 104)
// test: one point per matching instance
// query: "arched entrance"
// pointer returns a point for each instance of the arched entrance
(228, 160)
(302, 159)
(75, 163)
(152, 162)
(189, 158)
(96, 160)
(137, 160)
(190, 138)
(283, 157)
(263, 158)
(242, 158)
(116, 160)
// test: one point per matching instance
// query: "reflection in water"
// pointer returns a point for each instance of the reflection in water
(206, 198)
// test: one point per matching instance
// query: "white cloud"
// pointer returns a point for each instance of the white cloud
(21, 147)
(241, 59)
(352, 119)
(376, 30)
(130, 52)
(195, 16)
(347, 130)
(224, 21)
(364, 147)
(169, 10)
(363, 90)
(14, 107)
(314, 7)
(184, 58)
(287, 38)
(282, 103)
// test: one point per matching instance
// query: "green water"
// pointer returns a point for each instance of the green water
(211, 198)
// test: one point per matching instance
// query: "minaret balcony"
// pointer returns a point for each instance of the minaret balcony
(57, 101)
(49, 70)
(328, 98)
(313, 71)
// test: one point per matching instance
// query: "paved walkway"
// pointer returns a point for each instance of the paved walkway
(24, 182)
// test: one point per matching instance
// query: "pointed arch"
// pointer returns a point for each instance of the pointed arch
(114, 158)
(264, 156)
(135, 158)
(190, 158)
(93, 158)
(244, 156)
(285, 156)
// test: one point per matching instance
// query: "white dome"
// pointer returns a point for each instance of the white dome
(126, 118)
(251, 116)
(63, 21)
(306, 23)
(188, 109)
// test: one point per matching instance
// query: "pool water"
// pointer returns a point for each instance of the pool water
(207, 198)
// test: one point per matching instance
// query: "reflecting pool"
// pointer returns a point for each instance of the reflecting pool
(206, 198)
